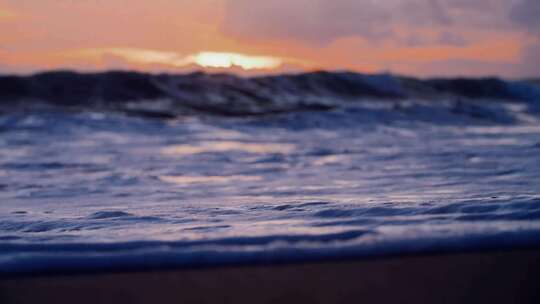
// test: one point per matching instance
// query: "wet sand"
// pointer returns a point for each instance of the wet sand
(492, 277)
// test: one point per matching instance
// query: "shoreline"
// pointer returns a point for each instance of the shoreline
(491, 276)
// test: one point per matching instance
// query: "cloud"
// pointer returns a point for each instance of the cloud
(526, 13)
(142, 56)
(6, 14)
(449, 38)
(531, 61)
(323, 21)
(380, 26)
(499, 36)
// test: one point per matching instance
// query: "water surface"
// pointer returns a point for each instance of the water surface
(93, 190)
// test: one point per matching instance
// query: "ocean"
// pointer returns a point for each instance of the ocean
(115, 171)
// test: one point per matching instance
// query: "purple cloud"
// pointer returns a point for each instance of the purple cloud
(526, 13)
(322, 21)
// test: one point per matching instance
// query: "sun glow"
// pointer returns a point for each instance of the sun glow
(228, 60)
(140, 56)
(217, 60)
(6, 14)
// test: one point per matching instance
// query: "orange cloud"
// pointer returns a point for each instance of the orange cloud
(404, 36)
(6, 14)
(503, 50)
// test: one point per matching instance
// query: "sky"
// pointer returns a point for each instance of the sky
(412, 37)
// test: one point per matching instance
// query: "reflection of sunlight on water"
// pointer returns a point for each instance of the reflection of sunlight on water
(502, 130)
(186, 179)
(220, 134)
(14, 152)
(330, 160)
(473, 142)
(224, 146)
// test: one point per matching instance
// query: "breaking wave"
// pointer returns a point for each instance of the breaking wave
(168, 96)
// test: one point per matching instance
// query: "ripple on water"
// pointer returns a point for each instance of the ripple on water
(109, 215)
(289, 184)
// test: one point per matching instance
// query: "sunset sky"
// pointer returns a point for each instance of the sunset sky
(415, 37)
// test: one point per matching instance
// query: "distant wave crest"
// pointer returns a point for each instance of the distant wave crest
(166, 95)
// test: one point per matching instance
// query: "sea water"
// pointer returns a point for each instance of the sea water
(98, 190)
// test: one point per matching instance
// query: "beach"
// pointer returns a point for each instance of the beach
(482, 277)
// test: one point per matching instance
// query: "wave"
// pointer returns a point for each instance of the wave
(85, 257)
(38, 246)
(167, 95)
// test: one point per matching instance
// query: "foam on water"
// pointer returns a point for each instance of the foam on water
(88, 190)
